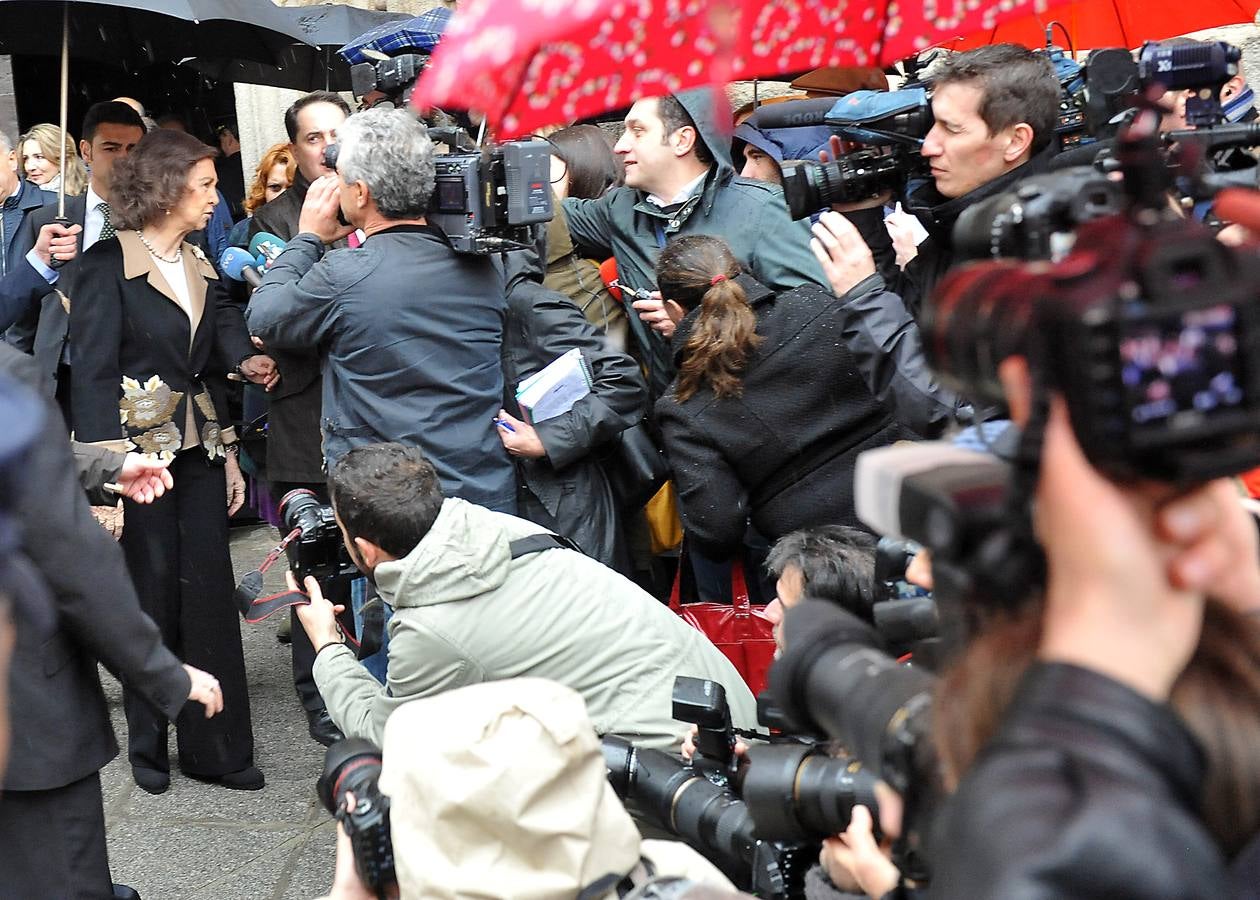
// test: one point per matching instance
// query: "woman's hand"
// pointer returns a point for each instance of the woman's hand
(205, 690)
(260, 369)
(235, 485)
(519, 438)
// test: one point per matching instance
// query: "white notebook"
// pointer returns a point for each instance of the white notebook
(553, 391)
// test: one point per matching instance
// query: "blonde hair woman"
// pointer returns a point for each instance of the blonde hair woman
(40, 154)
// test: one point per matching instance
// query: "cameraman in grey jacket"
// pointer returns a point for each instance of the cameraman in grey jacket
(473, 603)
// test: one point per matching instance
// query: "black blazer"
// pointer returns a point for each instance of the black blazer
(60, 723)
(43, 329)
(138, 353)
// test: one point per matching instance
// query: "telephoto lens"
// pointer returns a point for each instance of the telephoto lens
(798, 792)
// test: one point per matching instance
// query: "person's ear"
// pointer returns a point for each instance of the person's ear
(683, 141)
(1233, 86)
(674, 310)
(370, 553)
(85, 150)
(1019, 142)
(1017, 385)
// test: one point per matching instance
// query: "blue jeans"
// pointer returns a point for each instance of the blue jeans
(377, 663)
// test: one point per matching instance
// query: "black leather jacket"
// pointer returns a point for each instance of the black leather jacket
(1088, 790)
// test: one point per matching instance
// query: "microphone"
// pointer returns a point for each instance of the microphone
(239, 264)
(793, 113)
(1240, 205)
(267, 244)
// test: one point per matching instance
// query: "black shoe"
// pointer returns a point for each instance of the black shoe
(151, 780)
(123, 892)
(322, 728)
(248, 779)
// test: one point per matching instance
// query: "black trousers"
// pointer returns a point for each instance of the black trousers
(52, 843)
(177, 553)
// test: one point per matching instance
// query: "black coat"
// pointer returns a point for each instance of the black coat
(782, 454)
(569, 483)
(1088, 790)
(43, 330)
(293, 430)
(60, 723)
(133, 328)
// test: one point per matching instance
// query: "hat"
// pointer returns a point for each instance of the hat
(842, 80)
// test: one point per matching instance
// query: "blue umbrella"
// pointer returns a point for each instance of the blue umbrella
(418, 35)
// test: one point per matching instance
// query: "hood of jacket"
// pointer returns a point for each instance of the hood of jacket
(938, 214)
(508, 798)
(704, 105)
(465, 554)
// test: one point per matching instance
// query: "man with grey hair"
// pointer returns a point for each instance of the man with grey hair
(410, 330)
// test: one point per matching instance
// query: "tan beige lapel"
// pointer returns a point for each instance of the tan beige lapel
(137, 262)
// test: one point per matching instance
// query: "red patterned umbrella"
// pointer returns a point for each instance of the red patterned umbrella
(1121, 23)
(531, 63)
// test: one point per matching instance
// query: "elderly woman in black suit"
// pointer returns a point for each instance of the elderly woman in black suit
(155, 336)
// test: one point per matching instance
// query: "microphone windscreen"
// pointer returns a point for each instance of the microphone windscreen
(1241, 205)
(608, 274)
(267, 244)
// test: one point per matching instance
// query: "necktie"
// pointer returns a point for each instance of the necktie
(107, 227)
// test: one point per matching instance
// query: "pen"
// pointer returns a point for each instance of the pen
(503, 424)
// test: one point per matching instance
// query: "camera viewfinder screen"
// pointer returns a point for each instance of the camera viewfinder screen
(1181, 367)
(450, 195)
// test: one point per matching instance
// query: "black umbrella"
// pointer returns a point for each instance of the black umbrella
(300, 67)
(135, 33)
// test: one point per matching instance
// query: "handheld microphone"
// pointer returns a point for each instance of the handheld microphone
(239, 264)
(267, 244)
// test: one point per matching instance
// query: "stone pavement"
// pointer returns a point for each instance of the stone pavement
(200, 842)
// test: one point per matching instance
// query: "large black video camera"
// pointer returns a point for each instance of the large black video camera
(394, 77)
(486, 201)
(354, 765)
(892, 125)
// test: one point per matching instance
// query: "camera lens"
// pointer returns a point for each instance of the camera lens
(796, 792)
(352, 764)
(809, 187)
(300, 508)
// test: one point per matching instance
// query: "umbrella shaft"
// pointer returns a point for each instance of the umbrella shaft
(65, 105)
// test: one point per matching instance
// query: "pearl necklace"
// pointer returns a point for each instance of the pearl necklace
(179, 251)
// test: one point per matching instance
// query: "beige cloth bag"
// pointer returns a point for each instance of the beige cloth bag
(500, 790)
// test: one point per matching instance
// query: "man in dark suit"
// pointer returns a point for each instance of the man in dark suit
(28, 278)
(294, 455)
(52, 823)
(19, 199)
(110, 130)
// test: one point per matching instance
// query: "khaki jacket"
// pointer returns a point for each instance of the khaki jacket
(465, 612)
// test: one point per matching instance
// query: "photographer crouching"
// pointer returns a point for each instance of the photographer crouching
(410, 330)
(481, 596)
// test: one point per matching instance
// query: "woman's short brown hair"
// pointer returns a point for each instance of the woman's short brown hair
(153, 177)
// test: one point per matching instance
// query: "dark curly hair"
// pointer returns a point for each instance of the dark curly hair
(152, 179)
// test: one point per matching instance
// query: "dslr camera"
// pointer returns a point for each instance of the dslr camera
(354, 765)
(760, 823)
(318, 550)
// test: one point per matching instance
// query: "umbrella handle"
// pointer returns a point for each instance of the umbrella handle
(65, 106)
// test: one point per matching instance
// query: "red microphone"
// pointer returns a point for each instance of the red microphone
(608, 274)
(1241, 205)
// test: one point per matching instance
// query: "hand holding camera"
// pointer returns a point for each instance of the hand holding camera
(322, 209)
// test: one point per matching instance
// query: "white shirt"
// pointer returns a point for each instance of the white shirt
(177, 277)
(93, 219)
(692, 187)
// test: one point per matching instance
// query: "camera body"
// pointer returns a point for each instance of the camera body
(891, 124)
(354, 765)
(318, 550)
(486, 201)
(393, 77)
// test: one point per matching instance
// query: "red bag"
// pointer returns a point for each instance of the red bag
(740, 630)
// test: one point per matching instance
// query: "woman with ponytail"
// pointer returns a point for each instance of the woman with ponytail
(769, 409)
